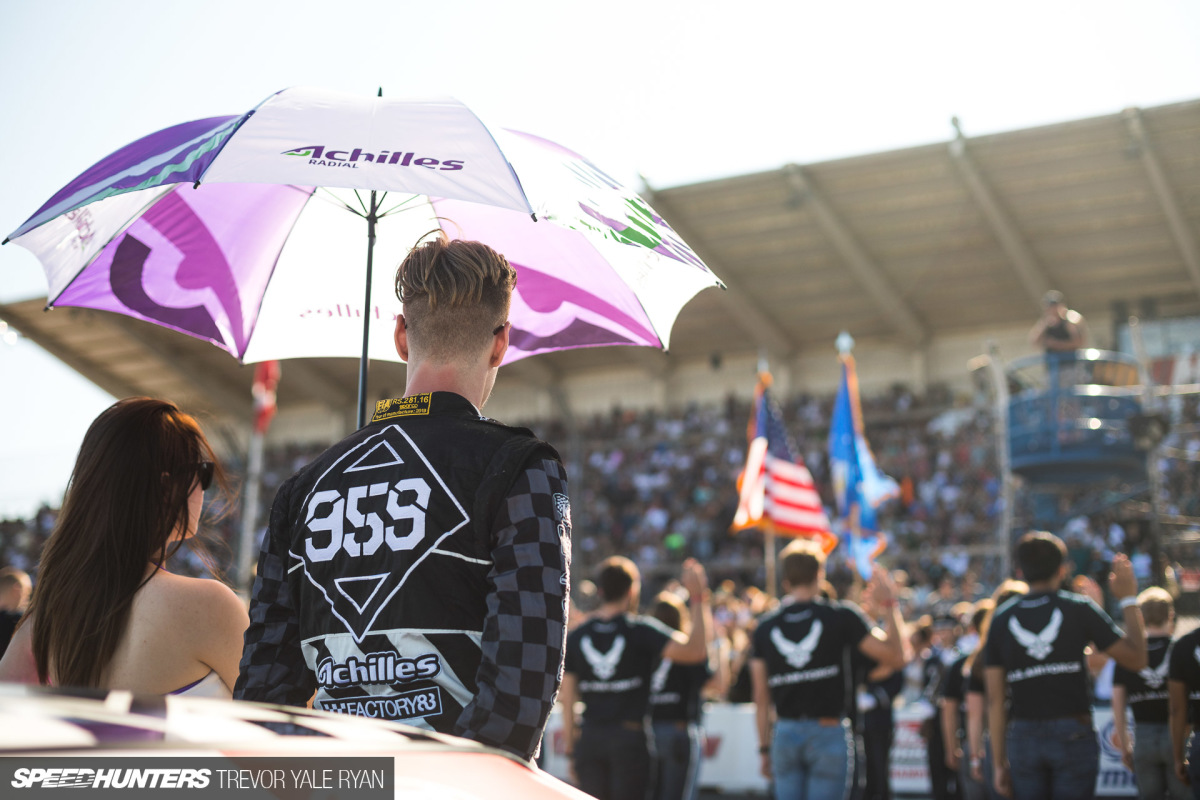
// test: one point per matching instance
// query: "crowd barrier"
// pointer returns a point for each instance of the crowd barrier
(731, 760)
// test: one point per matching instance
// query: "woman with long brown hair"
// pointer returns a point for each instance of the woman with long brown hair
(105, 613)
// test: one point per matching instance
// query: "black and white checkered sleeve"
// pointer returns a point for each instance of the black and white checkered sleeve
(272, 669)
(524, 635)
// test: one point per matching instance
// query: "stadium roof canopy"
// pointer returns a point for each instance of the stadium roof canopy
(904, 246)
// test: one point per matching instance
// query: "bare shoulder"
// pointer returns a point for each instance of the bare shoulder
(196, 599)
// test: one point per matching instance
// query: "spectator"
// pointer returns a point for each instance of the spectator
(611, 660)
(675, 691)
(800, 656)
(1059, 329)
(14, 597)
(1035, 646)
(1146, 693)
(105, 613)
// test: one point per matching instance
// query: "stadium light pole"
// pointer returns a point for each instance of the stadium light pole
(995, 369)
(1153, 473)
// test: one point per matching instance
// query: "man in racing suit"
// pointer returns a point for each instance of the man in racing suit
(417, 570)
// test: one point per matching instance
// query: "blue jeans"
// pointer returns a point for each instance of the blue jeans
(1053, 759)
(678, 750)
(612, 761)
(1153, 763)
(811, 760)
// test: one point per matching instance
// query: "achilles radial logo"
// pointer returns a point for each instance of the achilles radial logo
(320, 155)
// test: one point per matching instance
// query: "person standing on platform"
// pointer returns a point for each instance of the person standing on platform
(1059, 329)
(1036, 649)
(611, 660)
(801, 657)
(1145, 693)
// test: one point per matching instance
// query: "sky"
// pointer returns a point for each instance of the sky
(668, 92)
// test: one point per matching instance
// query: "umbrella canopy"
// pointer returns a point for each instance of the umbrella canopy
(247, 230)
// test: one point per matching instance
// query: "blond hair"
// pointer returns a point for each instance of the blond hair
(1157, 606)
(456, 294)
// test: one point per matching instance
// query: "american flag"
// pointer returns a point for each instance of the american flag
(776, 489)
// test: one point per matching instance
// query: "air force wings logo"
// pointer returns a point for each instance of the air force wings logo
(604, 665)
(1155, 678)
(369, 521)
(798, 654)
(1037, 645)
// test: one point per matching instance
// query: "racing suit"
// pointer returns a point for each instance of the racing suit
(418, 571)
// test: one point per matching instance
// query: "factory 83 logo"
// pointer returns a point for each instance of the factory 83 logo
(369, 521)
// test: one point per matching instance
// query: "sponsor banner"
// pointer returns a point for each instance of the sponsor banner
(910, 764)
(1113, 780)
(150, 777)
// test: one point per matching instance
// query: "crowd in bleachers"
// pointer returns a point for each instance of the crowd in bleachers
(661, 487)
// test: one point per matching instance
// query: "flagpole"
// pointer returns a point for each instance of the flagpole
(245, 562)
(764, 368)
(266, 377)
(769, 557)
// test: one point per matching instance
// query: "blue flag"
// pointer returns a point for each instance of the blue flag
(859, 486)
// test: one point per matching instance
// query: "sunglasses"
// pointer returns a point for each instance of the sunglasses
(204, 474)
(499, 328)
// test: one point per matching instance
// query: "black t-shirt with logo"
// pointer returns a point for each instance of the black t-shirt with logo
(876, 713)
(1185, 667)
(1146, 690)
(807, 650)
(614, 661)
(1039, 640)
(675, 691)
(954, 683)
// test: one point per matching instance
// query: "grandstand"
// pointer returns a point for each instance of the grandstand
(921, 254)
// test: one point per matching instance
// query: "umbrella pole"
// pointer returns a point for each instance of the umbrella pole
(362, 363)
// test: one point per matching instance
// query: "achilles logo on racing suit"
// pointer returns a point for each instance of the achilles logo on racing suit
(370, 520)
(406, 705)
(377, 668)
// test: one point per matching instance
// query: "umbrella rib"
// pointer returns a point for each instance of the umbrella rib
(400, 205)
(340, 202)
(361, 203)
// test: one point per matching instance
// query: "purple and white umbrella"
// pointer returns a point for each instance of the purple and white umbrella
(247, 230)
